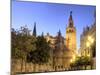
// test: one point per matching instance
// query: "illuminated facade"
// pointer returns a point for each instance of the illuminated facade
(88, 42)
(71, 35)
(87, 39)
(64, 49)
(71, 43)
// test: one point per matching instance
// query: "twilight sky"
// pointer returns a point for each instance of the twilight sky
(50, 17)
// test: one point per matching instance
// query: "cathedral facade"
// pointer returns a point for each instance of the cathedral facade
(64, 49)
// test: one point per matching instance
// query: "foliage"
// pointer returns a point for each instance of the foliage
(81, 61)
(21, 42)
(30, 48)
(42, 52)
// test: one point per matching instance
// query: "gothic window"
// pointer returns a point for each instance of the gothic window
(70, 30)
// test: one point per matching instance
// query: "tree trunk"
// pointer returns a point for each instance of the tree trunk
(91, 67)
(25, 65)
(33, 67)
(25, 62)
(85, 67)
(22, 65)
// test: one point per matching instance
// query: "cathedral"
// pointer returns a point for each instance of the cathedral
(63, 51)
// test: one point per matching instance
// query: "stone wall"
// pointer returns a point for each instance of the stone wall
(19, 66)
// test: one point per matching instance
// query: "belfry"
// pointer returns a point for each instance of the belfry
(71, 35)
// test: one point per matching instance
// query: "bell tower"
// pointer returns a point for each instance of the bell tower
(71, 35)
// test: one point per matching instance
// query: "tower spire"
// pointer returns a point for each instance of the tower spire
(34, 30)
(71, 24)
(71, 15)
(59, 33)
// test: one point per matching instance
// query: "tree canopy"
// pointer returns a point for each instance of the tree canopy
(24, 45)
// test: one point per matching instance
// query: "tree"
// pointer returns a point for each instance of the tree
(28, 48)
(22, 44)
(42, 52)
(81, 62)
